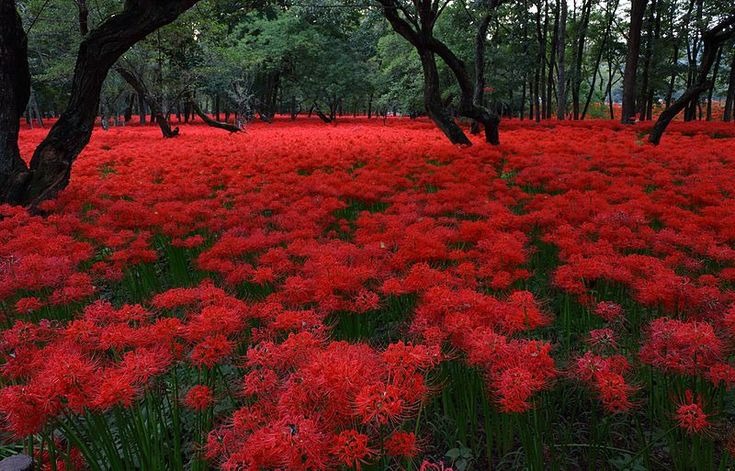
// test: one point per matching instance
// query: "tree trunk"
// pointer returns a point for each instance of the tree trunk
(129, 108)
(672, 79)
(714, 81)
(522, 112)
(211, 122)
(83, 16)
(433, 103)
(647, 57)
(561, 95)
(552, 62)
(637, 11)
(479, 91)
(541, 89)
(15, 90)
(610, 75)
(186, 112)
(536, 106)
(295, 108)
(730, 100)
(142, 112)
(34, 112)
(579, 58)
(156, 113)
(315, 108)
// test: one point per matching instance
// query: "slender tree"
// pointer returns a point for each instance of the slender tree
(730, 98)
(561, 91)
(637, 10)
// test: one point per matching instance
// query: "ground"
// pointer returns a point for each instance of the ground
(366, 295)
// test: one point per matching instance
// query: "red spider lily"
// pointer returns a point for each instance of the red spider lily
(608, 310)
(351, 449)
(401, 444)
(681, 347)
(605, 375)
(690, 415)
(199, 397)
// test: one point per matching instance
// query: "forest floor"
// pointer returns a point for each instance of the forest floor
(366, 295)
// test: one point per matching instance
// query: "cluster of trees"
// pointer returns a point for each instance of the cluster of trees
(230, 61)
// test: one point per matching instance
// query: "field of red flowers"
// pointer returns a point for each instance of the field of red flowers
(367, 296)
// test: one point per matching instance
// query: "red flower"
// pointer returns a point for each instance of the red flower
(401, 444)
(380, 404)
(690, 416)
(608, 310)
(212, 350)
(28, 305)
(682, 347)
(351, 449)
(199, 397)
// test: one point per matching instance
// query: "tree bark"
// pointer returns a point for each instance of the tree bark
(52, 161)
(637, 11)
(15, 90)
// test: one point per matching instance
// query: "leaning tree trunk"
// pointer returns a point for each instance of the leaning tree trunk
(316, 109)
(467, 107)
(156, 112)
(713, 40)
(433, 103)
(51, 164)
(15, 89)
(637, 10)
(211, 122)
